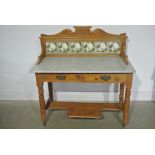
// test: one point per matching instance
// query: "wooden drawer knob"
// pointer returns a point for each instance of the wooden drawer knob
(61, 77)
(105, 77)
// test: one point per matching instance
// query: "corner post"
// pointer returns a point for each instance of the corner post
(127, 99)
(41, 97)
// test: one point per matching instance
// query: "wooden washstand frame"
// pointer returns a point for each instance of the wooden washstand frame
(84, 110)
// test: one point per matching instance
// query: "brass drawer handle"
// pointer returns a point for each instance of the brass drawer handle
(105, 77)
(61, 77)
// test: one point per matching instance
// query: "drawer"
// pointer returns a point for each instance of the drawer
(85, 78)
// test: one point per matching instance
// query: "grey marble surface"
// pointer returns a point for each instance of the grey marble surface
(108, 64)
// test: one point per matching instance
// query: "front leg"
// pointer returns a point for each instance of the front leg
(41, 98)
(127, 99)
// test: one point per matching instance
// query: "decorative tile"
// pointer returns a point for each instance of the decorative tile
(82, 47)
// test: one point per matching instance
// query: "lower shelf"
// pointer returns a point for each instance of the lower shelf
(84, 113)
(84, 110)
(71, 105)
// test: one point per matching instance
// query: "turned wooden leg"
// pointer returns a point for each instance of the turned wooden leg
(41, 98)
(121, 95)
(127, 99)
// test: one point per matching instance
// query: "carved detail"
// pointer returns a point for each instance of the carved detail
(81, 30)
(65, 32)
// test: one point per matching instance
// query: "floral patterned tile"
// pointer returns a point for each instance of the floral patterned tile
(83, 47)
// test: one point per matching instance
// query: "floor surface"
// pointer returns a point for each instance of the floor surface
(25, 115)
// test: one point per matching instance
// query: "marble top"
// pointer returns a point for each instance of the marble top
(103, 64)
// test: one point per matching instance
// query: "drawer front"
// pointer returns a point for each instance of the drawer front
(86, 78)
